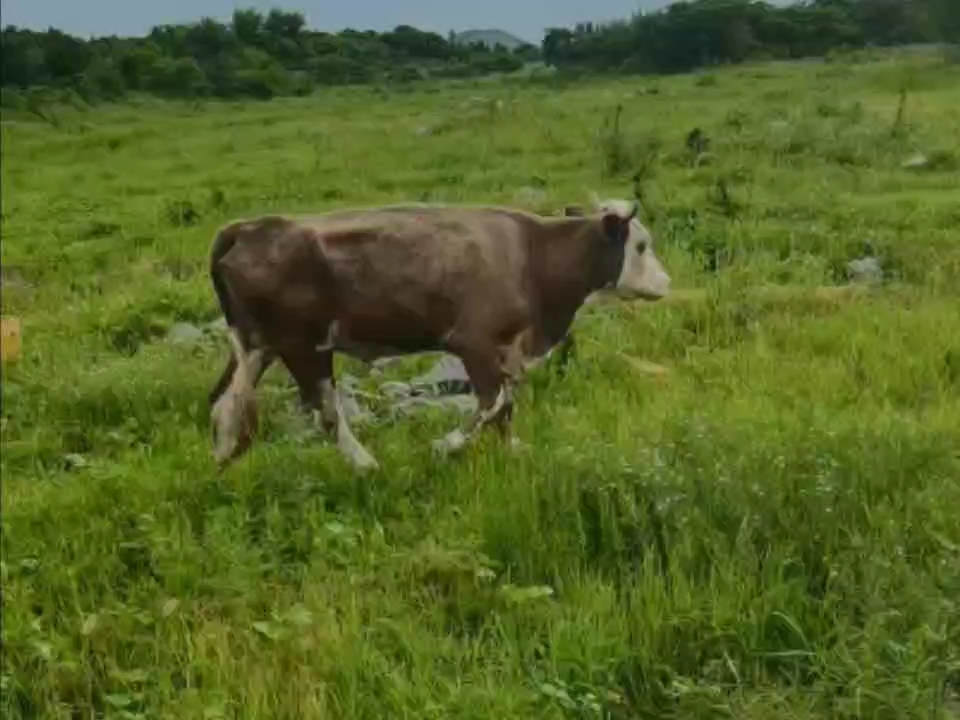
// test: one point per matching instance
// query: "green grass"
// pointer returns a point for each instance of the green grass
(769, 531)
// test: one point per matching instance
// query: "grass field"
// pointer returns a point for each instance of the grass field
(768, 530)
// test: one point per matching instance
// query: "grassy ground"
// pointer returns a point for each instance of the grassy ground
(768, 530)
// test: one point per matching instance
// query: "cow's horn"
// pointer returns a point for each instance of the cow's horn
(635, 211)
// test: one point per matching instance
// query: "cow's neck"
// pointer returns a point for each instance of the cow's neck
(564, 265)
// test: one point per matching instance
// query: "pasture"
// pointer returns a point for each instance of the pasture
(768, 528)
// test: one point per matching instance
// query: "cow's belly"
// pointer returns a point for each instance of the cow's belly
(370, 352)
(370, 339)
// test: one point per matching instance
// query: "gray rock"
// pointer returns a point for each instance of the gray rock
(917, 162)
(184, 334)
(216, 326)
(352, 410)
(779, 126)
(75, 461)
(530, 195)
(463, 404)
(704, 158)
(396, 389)
(381, 364)
(446, 377)
(12, 277)
(865, 270)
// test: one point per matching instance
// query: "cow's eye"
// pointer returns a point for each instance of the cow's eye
(641, 247)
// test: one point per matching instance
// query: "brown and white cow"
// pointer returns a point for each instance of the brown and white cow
(497, 287)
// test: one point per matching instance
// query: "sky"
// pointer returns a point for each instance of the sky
(526, 19)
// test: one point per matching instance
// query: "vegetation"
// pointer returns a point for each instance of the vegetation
(490, 38)
(687, 35)
(253, 56)
(263, 56)
(767, 530)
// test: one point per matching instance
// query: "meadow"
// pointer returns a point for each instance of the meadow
(767, 528)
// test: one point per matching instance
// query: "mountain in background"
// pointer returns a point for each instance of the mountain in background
(489, 38)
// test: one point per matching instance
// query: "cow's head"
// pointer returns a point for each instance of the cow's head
(637, 272)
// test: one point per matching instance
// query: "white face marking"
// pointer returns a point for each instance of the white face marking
(641, 276)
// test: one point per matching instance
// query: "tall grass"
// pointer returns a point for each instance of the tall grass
(768, 529)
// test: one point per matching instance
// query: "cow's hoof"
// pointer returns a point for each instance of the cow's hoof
(450, 443)
(359, 456)
(368, 464)
(363, 461)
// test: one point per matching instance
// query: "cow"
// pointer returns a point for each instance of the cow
(495, 286)
(564, 349)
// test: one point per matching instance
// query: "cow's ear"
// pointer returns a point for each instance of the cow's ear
(615, 228)
(573, 211)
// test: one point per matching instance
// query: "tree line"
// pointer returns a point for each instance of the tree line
(696, 33)
(254, 55)
(265, 55)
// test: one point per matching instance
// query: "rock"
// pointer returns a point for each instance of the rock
(528, 195)
(463, 404)
(75, 461)
(865, 270)
(381, 364)
(396, 389)
(646, 367)
(447, 377)
(704, 158)
(917, 162)
(216, 326)
(184, 334)
(13, 277)
(352, 410)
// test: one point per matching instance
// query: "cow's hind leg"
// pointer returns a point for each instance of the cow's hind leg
(234, 414)
(313, 371)
(224, 380)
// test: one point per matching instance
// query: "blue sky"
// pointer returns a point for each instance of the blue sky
(524, 18)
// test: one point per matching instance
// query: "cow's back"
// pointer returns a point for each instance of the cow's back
(414, 255)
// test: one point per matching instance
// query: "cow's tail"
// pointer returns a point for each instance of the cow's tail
(223, 243)
(233, 400)
(242, 381)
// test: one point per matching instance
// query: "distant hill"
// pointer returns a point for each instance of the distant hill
(490, 38)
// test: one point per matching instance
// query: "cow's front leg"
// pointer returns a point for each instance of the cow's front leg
(336, 420)
(313, 372)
